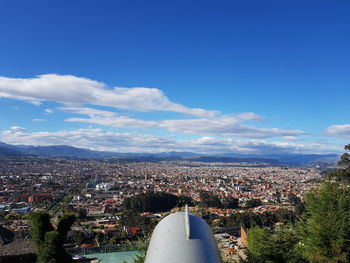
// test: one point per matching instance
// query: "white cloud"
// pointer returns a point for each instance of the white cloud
(226, 125)
(94, 139)
(34, 102)
(77, 91)
(88, 111)
(17, 128)
(98, 139)
(339, 131)
(39, 120)
(290, 138)
(70, 89)
(118, 122)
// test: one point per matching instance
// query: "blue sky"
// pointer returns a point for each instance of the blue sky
(250, 77)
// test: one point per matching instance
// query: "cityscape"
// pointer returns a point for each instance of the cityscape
(174, 131)
(97, 189)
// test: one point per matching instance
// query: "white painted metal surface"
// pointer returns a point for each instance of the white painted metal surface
(182, 238)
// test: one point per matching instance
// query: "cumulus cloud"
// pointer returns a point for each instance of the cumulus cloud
(69, 89)
(339, 131)
(74, 92)
(98, 139)
(225, 125)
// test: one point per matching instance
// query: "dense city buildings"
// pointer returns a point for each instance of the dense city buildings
(100, 187)
(96, 189)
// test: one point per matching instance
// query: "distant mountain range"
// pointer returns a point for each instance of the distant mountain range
(50, 151)
(7, 150)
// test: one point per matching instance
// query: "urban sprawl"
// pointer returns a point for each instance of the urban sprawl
(98, 188)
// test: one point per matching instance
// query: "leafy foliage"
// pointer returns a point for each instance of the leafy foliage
(293, 199)
(183, 200)
(277, 247)
(322, 234)
(79, 237)
(52, 250)
(210, 200)
(326, 234)
(40, 226)
(253, 203)
(140, 258)
(154, 202)
(343, 174)
(49, 242)
(345, 158)
(65, 223)
(267, 219)
(132, 218)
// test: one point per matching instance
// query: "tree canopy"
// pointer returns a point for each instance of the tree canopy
(267, 219)
(155, 202)
(253, 203)
(49, 242)
(277, 247)
(322, 233)
(326, 235)
(345, 158)
(210, 200)
(342, 174)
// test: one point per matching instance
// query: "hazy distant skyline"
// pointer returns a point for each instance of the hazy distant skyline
(157, 76)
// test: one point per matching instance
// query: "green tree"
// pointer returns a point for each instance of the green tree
(342, 174)
(209, 200)
(151, 202)
(82, 213)
(65, 223)
(12, 217)
(140, 257)
(51, 250)
(113, 240)
(132, 218)
(49, 242)
(279, 246)
(253, 203)
(322, 234)
(260, 245)
(326, 232)
(99, 238)
(184, 200)
(267, 219)
(40, 226)
(229, 202)
(345, 158)
(292, 198)
(79, 238)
